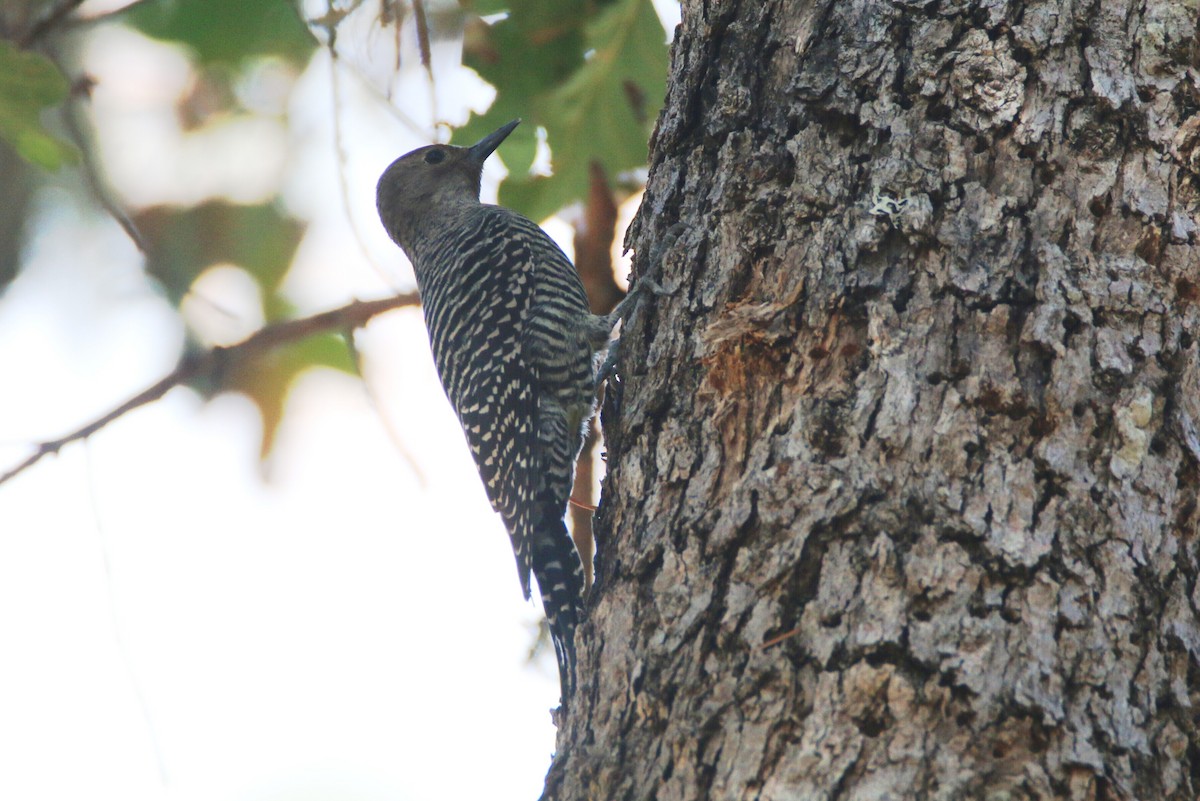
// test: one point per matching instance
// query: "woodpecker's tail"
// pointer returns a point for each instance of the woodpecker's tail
(560, 580)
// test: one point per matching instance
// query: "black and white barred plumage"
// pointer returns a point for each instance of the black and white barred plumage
(514, 344)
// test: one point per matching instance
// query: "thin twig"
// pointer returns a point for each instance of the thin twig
(215, 360)
(343, 156)
(391, 12)
(328, 23)
(426, 49)
(787, 635)
(578, 504)
(110, 586)
(91, 170)
(418, 7)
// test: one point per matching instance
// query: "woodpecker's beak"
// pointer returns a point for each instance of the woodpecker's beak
(485, 146)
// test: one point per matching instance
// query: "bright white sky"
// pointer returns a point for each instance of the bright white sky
(171, 626)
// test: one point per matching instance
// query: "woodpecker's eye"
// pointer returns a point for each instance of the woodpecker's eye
(435, 157)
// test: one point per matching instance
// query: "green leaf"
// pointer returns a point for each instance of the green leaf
(29, 83)
(519, 149)
(182, 243)
(606, 111)
(596, 109)
(227, 31)
(326, 350)
(525, 60)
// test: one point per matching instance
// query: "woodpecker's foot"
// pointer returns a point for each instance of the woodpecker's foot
(647, 280)
(648, 284)
(614, 395)
(633, 300)
(645, 285)
(608, 368)
(658, 254)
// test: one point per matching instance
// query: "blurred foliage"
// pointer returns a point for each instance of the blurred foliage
(223, 35)
(592, 74)
(183, 242)
(226, 31)
(29, 82)
(268, 378)
(19, 179)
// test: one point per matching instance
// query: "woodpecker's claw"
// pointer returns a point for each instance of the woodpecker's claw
(646, 284)
(608, 368)
(654, 288)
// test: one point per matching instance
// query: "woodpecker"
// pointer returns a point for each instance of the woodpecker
(515, 348)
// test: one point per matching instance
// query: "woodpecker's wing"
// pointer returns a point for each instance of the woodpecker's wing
(490, 379)
(498, 418)
(481, 307)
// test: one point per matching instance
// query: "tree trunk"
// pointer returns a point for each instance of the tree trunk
(902, 498)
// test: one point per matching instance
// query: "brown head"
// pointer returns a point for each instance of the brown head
(419, 185)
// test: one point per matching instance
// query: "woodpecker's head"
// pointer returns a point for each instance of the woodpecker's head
(430, 178)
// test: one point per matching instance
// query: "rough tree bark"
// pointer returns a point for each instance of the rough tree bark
(902, 498)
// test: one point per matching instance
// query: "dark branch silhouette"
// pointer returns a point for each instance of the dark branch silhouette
(215, 361)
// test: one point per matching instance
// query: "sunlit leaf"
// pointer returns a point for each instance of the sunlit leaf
(605, 112)
(182, 243)
(30, 82)
(327, 350)
(525, 57)
(227, 31)
(599, 108)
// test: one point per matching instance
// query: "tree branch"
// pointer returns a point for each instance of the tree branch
(72, 119)
(215, 360)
